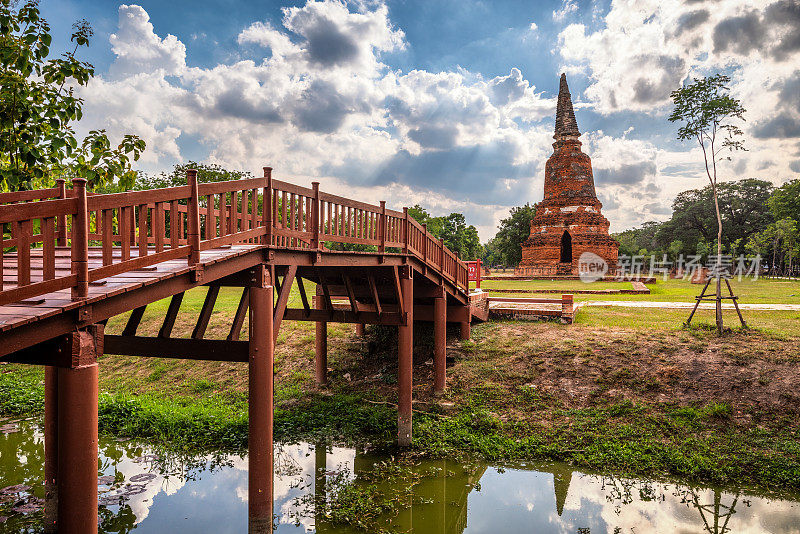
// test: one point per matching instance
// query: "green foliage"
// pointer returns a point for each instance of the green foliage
(742, 205)
(177, 177)
(633, 240)
(785, 201)
(780, 239)
(38, 105)
(458, 236)
(513, 231)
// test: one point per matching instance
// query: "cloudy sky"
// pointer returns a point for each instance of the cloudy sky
(445, 103)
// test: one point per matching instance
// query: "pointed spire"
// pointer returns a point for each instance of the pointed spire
(566, 125)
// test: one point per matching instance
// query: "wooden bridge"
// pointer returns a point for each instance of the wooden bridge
(73, 259)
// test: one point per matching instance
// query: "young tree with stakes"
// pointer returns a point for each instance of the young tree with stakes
(706, 111)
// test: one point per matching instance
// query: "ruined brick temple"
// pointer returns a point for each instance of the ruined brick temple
(568, 221)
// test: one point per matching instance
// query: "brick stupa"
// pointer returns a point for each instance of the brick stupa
(568, 221)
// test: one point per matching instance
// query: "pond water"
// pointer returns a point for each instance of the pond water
(147, 490)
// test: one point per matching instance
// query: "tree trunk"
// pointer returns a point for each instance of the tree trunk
(719, 262)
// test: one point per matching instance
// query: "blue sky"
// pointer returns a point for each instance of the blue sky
(444, 103)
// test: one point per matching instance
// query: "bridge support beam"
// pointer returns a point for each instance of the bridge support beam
(405, 364)
(76, 432)
(321, 345)
(261, 363)
(440, 343)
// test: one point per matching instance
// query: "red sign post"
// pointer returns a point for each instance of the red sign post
(474, 272)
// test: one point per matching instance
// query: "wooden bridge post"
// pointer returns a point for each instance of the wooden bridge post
(440, 342)
(77, 432)
(80, 241)
(61, 239)
(321, 344)
(360, 329)
(193, 232)
(406, 227)
(382, 229)
(266, 207)
(315, 242)
(466, 328)
(405, 364)
(261, 364)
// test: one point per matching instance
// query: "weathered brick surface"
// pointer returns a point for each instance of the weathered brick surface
(569, 205)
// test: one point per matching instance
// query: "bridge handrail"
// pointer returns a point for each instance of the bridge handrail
(179, 222)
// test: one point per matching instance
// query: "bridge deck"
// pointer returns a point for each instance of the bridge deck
(41, 307)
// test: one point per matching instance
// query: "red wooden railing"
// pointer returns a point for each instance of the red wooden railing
(136, 229)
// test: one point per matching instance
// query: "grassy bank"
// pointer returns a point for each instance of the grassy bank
(621, 390)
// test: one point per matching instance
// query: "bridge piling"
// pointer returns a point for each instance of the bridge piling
(260, 408)
(440, 343)
(321, 345)
(50, 449)
(466, 330)
(77, 390)
(405, 364)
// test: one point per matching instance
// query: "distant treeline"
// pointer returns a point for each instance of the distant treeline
(757, 218)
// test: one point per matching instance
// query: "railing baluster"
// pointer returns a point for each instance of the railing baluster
(124, 232)
(158, 226)
(23, 235)
(143, 240)
(62, 219)
(48, 248)
(174, 224)
(108, 236)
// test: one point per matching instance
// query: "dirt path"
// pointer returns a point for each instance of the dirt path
(688, 305)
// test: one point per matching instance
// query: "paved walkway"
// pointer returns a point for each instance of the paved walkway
(688, 305)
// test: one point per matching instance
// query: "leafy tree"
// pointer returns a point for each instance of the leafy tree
(177, 177)
(633, 240)
(785, 201)
(742, 204)
(38, 105)
(458, 236)
(706, 111)
(513, 231)
(780, 239)
(491, 255)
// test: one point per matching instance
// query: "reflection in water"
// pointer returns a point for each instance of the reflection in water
(145, 490)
